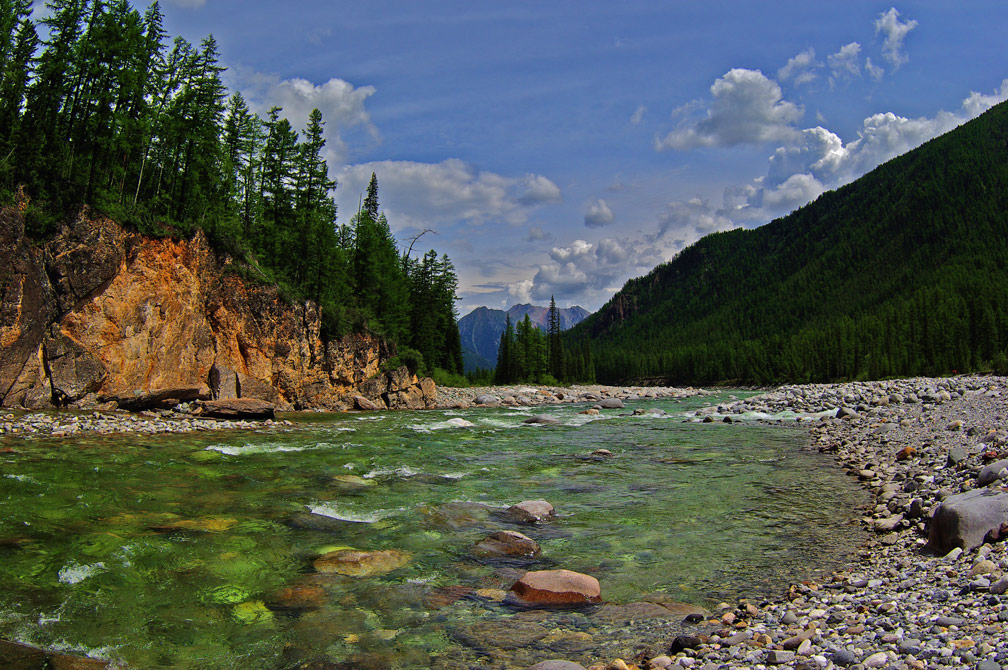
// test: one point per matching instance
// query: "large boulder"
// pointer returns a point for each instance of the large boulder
(966, 519)
(611, 403)
(223, 382)
(400, 379)
(159, 398)
(507, 543)
(990, 472)
(239, 408)
(365, 404)
(563, 588)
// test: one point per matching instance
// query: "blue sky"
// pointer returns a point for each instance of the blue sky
(564, 147)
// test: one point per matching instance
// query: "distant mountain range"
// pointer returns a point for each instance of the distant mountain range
(481, 330)
(903, 272)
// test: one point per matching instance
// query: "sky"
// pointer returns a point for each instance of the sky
(560, 148)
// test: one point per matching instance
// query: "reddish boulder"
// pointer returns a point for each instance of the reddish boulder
(556, 588)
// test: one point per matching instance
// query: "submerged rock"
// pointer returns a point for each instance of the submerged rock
(556, 588)
(361, 563)
(318, 522)
(545, 419)
(507, 543)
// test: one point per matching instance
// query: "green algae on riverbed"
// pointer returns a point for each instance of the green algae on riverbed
(195, 550)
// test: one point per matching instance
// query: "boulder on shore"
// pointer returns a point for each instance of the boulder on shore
(238, 408)
(532, 511)
(555, 588)
(966, 519)
(363, 404)
(991, 472)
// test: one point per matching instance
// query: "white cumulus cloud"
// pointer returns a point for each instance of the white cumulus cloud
(747, 108)
(343, 105)
(819, 160)
(588, 272)
(425, 194)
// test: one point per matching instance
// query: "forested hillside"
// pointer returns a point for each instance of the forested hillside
(99, 109)
(902, 272)
(481, 329)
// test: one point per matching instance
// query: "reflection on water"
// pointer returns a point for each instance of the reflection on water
(196, 551)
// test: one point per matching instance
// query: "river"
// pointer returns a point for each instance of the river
(196, 550)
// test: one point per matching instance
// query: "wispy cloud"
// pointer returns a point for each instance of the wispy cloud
(800, 69)
(894, 32)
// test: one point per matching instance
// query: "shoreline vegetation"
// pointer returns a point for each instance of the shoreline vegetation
(911, 599)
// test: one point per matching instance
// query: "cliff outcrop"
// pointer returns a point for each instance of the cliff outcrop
(99, 314)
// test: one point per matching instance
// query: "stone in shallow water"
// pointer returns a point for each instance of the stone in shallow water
(507, 543)
(556, 587)
(544, 419)
(532, 511)
(361, 563)
(556, 665)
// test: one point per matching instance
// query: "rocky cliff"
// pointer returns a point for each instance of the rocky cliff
(99, 314)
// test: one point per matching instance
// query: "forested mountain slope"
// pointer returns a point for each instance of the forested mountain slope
(901, 272)
(481, 329)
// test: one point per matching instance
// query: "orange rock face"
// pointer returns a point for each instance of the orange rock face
(102, 313)
(556, 588)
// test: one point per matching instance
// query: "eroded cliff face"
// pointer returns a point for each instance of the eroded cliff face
(99, 314)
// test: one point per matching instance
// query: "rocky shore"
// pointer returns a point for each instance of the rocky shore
(529, 396)
(928, 590)
(65, 424)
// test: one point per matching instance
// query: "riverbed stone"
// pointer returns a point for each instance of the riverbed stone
(507, 543)
(14, 656)
(532, 511)
(556, 588)
(611, 403)
(544, 419)
(355, 563)
(556, 665)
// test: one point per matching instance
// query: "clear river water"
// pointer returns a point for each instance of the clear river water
(195, 550)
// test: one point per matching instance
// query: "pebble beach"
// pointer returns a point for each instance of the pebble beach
(914, 444)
